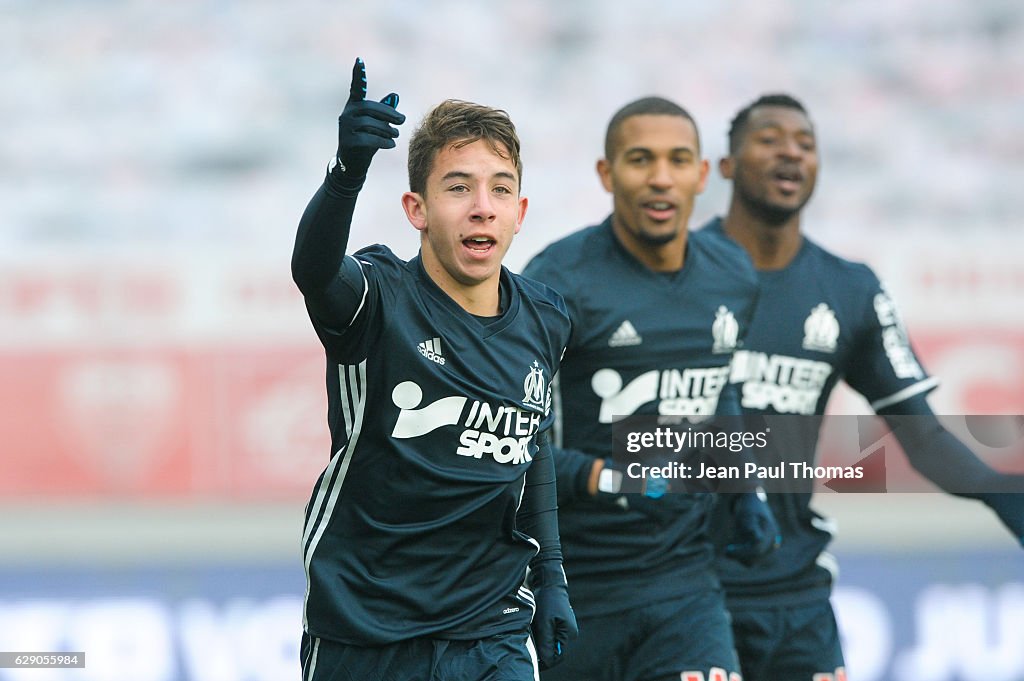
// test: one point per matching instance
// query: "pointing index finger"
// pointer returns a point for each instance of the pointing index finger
(357, 91)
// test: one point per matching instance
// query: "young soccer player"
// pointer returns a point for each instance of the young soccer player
(440, 490)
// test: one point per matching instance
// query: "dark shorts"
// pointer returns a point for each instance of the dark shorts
(791, 643)
(682, 638)
(509, 657)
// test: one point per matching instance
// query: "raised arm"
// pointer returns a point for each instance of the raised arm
(333, 285)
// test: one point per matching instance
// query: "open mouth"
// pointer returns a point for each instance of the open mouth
(659, 210)
(788, 180)
(479, 245)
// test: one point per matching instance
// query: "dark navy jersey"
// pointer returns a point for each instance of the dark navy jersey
(643, 342)
(434, 416)
(818, 320)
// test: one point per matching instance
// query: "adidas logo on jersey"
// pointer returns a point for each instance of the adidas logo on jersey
(431, 349)
(625, 335)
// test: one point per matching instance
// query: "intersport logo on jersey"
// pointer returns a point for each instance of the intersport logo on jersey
(789, 385)
(690, 392)
(502, 432)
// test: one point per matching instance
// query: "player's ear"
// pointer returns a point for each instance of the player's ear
(522, 213)
(415, 210)
(604, 171)
(725, 167)
(705, 169)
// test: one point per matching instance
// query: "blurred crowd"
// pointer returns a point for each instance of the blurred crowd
(207, 122)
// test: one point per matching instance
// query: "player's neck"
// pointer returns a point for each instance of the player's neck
(482, 299)
(771, 246)
(668, 257)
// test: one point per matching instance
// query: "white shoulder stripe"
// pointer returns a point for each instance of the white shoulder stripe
(909, 391)
(366, 287)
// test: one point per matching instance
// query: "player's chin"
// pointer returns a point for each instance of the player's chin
(789, 201)
(479, 271)
(778, 210)
(659, 233)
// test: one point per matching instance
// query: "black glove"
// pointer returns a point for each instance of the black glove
(365, 126)
(755, 533)
(554, 623)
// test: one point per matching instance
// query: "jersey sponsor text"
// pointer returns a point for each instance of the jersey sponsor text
(690, 392)
(503, 431)
(789, 385)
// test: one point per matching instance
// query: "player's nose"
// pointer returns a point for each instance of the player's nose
(791, 148)
(483, 208)
(661, 175)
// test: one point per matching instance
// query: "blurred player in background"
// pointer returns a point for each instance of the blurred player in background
(656, 317)
(440, 490)
(819, 318)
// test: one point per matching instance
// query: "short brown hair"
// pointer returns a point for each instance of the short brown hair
(457, 123)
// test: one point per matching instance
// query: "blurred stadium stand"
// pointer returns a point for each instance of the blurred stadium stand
(163, 410)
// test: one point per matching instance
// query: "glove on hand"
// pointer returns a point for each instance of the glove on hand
(365, 125)
(554, 623)
(756, 533)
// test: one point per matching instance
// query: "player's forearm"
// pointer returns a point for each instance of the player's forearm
(576, 473)
(940, 457)
(936, 453)
(323, 233)
(538, 513)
